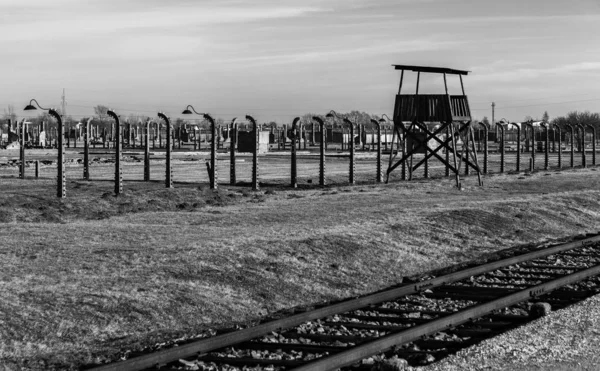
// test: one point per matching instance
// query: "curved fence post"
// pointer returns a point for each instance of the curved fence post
(352, 166)
(485, 148)
(593, 143)
(583, 162)
(86, 150)
(255, 184)
(546, 145)
(232, 143)
(518, 167)
(118, 147)
(572, 144)
(502, 146)
(533, 149)
(294, 169)
(21, 134)
(147, 151)
(321, 150)
(378, 175)
(214, 142)
(168, 169)
(557, 128)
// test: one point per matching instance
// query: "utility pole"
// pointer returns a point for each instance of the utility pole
(493, 122)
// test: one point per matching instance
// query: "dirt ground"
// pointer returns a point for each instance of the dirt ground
(90, 278)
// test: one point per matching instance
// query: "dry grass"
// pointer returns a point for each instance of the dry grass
(94, 275)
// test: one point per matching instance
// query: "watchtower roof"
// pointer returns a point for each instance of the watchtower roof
(430, 69)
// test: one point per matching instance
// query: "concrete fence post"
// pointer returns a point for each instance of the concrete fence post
(593, 144)
(255, 183)
(86, 150)
(168, 168)
(118, 140)
(294, 169)
(232, 143)
(147, 151)
(321, 150)
(502, 147)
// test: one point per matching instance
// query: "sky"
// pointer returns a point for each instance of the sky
(277, 59)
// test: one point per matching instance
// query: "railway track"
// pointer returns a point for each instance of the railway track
(419, 322)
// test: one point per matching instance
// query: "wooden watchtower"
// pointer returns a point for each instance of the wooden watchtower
(449, 118)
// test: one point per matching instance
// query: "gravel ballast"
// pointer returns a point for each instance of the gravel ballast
(567, 339)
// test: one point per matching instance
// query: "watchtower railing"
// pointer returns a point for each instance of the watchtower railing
(431, 108)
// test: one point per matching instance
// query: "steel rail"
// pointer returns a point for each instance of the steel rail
(384, 343)
(224, 340)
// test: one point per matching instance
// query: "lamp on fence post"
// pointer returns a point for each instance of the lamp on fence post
(213, 147)
(61, 185)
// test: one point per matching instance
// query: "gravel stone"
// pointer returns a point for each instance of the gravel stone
(538, 310)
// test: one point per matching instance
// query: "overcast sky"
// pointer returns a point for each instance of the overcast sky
(276, 59)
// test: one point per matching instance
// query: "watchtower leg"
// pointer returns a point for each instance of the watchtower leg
(457, 175)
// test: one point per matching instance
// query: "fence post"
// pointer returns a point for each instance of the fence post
(21, 133)
(352, 166)
(378, 176)
(572, 144)
(593, 144)
(294, 170)
(304, 135)
(86, 150)
(147, 151)
(533, 149)
(583, 162)
(232, 143)
(321, 150)
(502, 146)
(37, 168)
(547, 145)
(168, 170)
(559, 146)
(255, 183)
(61, 186)
(118, 145)
(518, 146)
(485, 149)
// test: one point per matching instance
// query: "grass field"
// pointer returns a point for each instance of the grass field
(87, 279)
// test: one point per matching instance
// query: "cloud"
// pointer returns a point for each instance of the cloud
(51, 24)
(507, 73)
(326, 56)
